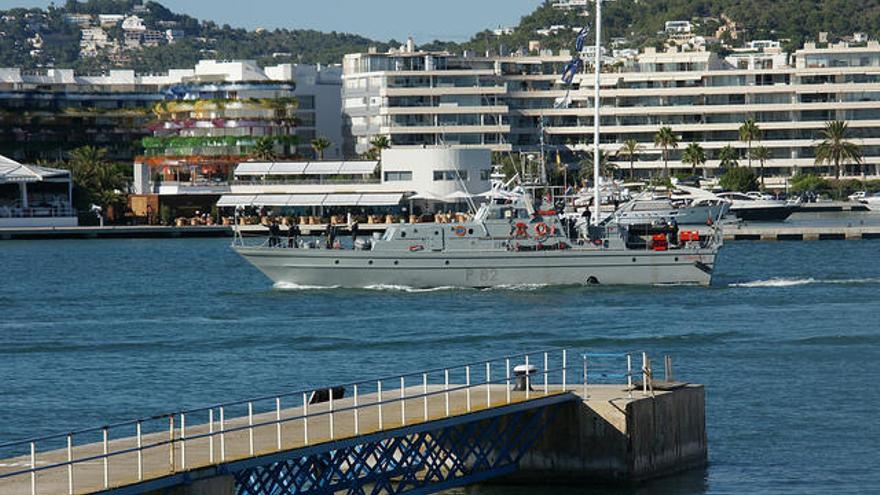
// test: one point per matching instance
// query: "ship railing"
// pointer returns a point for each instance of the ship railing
(219, 433)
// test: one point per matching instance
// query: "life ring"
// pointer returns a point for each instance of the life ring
(541, 229)
(522, 230)
(459, 230)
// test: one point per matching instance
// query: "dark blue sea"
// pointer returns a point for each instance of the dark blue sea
(787, 342)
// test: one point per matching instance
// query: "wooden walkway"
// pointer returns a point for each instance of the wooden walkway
(97, 473)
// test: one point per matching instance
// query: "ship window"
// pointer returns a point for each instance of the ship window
(396, 262)
(447, 262)
(402, 234)
(471, 231)
(336, 262)
(370, 262)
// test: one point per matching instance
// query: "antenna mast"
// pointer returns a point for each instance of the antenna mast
(597, 199)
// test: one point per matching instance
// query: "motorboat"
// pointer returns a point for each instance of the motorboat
(751, 209)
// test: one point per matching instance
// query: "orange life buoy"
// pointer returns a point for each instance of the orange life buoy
(459, 230)
(541, 229)
(522, 230)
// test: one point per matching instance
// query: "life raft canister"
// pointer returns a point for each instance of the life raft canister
(541, 229)
(460, 230)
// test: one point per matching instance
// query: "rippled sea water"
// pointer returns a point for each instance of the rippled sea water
(787, 342)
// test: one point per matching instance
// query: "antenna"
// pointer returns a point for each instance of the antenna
(597, 199)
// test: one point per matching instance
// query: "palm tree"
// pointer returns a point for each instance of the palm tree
(729, 157)
(320, 144)
(96, 180)
(695, 156)
(749, 132)
(606, 167)
(630, 149)
(666, 139)
(377, 144)
(835, 149)
(761, 154)
(264, 149)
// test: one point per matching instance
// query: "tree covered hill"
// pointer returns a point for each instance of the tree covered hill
(640, 21)
(31, 38)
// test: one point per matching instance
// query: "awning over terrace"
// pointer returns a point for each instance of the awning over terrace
(374, 199)
(305, 168)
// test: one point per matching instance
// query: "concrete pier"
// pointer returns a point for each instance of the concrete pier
(611, 438)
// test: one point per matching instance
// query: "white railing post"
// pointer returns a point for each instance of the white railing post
(140, 450)
(546, 372)
(171, 443)
(507, 378)
(34, 468)
(278, 423)
(183, 441)
(305, 414)
(585, 377)
(645, 373)
(251, 428)
(330, 409)
(211, 435)
(564, 368)
(379, 401)
(425, 395)
(629, 375)
(488, 385)
(106, 460)
(467, 387)
(528, 377)
(70, 465)
(222, 434)
(356, 413)
(403, 401)
(446, 388)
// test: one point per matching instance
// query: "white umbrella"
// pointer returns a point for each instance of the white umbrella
(458, 196)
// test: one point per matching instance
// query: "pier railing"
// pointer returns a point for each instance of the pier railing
(133, 451)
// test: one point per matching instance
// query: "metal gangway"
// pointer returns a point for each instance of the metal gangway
(419, 432)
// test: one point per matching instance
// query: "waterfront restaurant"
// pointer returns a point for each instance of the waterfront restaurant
(32, 196)
(407, 184)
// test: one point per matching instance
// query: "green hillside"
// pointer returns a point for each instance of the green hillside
(639, 21)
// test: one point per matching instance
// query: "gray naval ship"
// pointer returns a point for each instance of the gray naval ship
(508, 242)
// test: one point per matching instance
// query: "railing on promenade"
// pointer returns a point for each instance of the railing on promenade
(259, 426)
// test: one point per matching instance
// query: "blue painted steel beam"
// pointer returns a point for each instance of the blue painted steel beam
(312, 451)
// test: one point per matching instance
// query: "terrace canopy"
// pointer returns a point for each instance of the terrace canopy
(52, 187)
(248, 169)
(337, 199)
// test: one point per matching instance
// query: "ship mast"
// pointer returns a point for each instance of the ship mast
(597, 199)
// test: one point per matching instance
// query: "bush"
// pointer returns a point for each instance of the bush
(740, 179)
(802, 183)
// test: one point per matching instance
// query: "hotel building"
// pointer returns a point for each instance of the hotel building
(419, 98)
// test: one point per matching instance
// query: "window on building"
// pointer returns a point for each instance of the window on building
(398, 176)
(450, 175)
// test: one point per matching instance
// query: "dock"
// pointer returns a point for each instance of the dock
(756, 232)
(421, 432)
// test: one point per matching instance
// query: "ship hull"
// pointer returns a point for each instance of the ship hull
(359, 269)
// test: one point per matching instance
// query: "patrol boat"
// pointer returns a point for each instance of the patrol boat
(508, 242)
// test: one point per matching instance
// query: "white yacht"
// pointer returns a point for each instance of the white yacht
(750, 209)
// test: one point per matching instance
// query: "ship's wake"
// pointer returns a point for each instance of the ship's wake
(781, 282)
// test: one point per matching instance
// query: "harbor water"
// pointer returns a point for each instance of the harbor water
(786, 341)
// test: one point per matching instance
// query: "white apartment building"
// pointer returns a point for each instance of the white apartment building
(420, 99)
(500, 102)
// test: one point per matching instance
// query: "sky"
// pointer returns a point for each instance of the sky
(425, 20)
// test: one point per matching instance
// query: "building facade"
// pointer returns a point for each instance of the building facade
(45, 114)
(415, 99)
